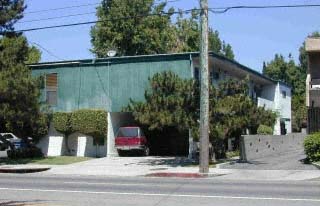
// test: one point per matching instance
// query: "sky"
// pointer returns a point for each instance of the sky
(255, 35)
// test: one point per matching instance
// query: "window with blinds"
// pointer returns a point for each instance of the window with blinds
(51, 89)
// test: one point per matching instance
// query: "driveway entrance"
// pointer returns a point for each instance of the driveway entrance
(291, 160)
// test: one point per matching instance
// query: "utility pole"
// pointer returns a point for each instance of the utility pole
(204, 90)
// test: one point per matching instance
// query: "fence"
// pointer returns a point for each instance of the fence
(313, 120)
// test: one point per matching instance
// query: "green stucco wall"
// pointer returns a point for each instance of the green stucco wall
(109, 84)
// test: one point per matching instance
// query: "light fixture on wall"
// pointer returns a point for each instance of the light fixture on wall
(112, 53)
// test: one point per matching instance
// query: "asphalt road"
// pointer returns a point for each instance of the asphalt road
(57, 190)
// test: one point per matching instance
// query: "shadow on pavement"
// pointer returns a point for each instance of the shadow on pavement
(166, 161)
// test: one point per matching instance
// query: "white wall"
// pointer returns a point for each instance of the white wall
(271, 97)
(116, 120)
(284, 105)
(82, 145)
(52, 144)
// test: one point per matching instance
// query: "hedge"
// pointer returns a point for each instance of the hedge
(312, 147)
(85, 121)
(264, 130)
(61, 122)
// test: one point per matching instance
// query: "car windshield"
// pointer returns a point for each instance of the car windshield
(128, 132)
(7, 136)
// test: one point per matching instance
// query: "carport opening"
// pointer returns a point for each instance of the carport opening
(167, 142)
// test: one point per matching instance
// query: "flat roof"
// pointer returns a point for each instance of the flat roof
(313, 44)
(186, 55)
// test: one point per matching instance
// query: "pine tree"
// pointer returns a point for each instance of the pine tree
(19, 92)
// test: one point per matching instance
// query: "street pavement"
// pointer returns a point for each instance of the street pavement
(32, 189)
(290, 160)
(141, 166)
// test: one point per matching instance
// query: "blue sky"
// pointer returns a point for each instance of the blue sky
(255, 35)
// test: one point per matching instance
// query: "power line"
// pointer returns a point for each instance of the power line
(71, 15)
(101, 21)
(79, 6)
(57, 17)
(213, 10)
(219, 10)
(61, 8)
(46, 50)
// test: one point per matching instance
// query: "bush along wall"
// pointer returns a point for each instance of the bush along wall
(90, 122)
(61, 122)
(264, 130)
(312, 147)
(86, 121)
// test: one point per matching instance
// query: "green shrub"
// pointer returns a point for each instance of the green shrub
(312, 147)
(265, 130)
(61, 122)
(32, 152)
(90, 122)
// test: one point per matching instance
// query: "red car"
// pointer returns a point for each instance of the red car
(131, 139)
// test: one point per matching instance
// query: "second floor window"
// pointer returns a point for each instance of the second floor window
(51, 89)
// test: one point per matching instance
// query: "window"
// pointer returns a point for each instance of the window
(127, 132)
(51, 89)
(284, 94)
(197, 73)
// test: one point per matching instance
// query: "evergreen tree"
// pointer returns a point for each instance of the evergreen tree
(10, 12)
(19, 92)
(174, 102)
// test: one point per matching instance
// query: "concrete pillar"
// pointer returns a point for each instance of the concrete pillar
(112, 129)
(191, 148)
(308, 80)
(81, 146)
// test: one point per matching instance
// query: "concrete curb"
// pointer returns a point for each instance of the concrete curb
(317, 165)
(177, 174)
(182, 175)
(221, 165)
(23, 170)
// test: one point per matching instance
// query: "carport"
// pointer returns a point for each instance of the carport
(166, 142)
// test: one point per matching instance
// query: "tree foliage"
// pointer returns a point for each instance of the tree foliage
(151, 31)
(144, 34)
(19, 93)
(235, 111)
(169, 102)
(174, 102)
(265, 130)
(10, 12)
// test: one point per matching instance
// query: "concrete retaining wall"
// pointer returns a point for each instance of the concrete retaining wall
(53, 144)
(256, 146)
(82, 146)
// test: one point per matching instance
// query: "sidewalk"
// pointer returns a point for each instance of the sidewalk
(144, 166)
(164, 167)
